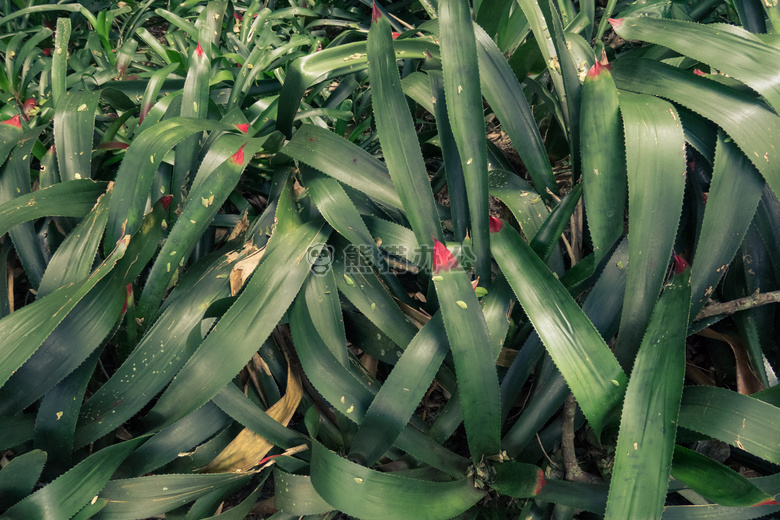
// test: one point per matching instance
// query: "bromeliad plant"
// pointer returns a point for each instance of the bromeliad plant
(228, 260)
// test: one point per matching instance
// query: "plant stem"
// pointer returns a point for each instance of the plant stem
(740, 304)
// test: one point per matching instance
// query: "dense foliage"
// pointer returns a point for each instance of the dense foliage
(415, 260)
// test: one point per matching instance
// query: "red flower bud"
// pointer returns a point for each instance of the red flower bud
(495, 225)
(442, 258)
(14, 121)
(679, 264)
(46, 51)
(238, 157)
(199, 51)
(166, 201)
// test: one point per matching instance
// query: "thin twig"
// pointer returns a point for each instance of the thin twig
(740, 304)
(573, 471)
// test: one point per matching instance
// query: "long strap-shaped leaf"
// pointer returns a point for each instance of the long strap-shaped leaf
(401, 393)
(740, 420)
(81, 196)
(474, 361)
(248, 322)
(754, 127)
(368, 494)
(25, 330)
(655, 159)
(136, 174)
(648, 426)
(76, 255)
(344, 59)
(74, 123)
(714, 481)
(398, 137)
(741, 56)
(160, 354)
(580, 353)
(603, 159)
(344, 161)
(64, 497)
(203, 203)
(464, 108)
(733, 198)
(152, 495)
(505, 96)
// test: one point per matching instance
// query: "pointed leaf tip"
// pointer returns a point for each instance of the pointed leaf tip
(199, 51)
(595, 70)
(616, 22)
(495, 225)
(14, 121)
(540, 482)
(165, 200)
(238, 157)
(128, 297)
(770, 502)
(396, 35)
(679, 264)
(244, 128)
(699, 72)
(442, 258)
(375, 13)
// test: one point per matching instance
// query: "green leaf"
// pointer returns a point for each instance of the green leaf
(519, 480)
(296, 495)
(735, 51)
(216, 179)
(727, 107)
(547, 237)
(474, 361)
(25, 330)
(136, 174)
(603, 160)
(59, 59)
(18, 477)
(643, 455)
(714, 481)
(505, 96)
(656, 183)
(65, 496)
(401, 393)
(159, 355)
(57, 416)
(344, 161)
(464, 108)
(740, 420)
(156, 494)
(732, 201)
(337, 60)
(579, 351)
(249, 321)
(75, 256)
(81, 196)
(74, 123)
(522, 200)
(182, 436)
(398, 137)
(367, 494)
